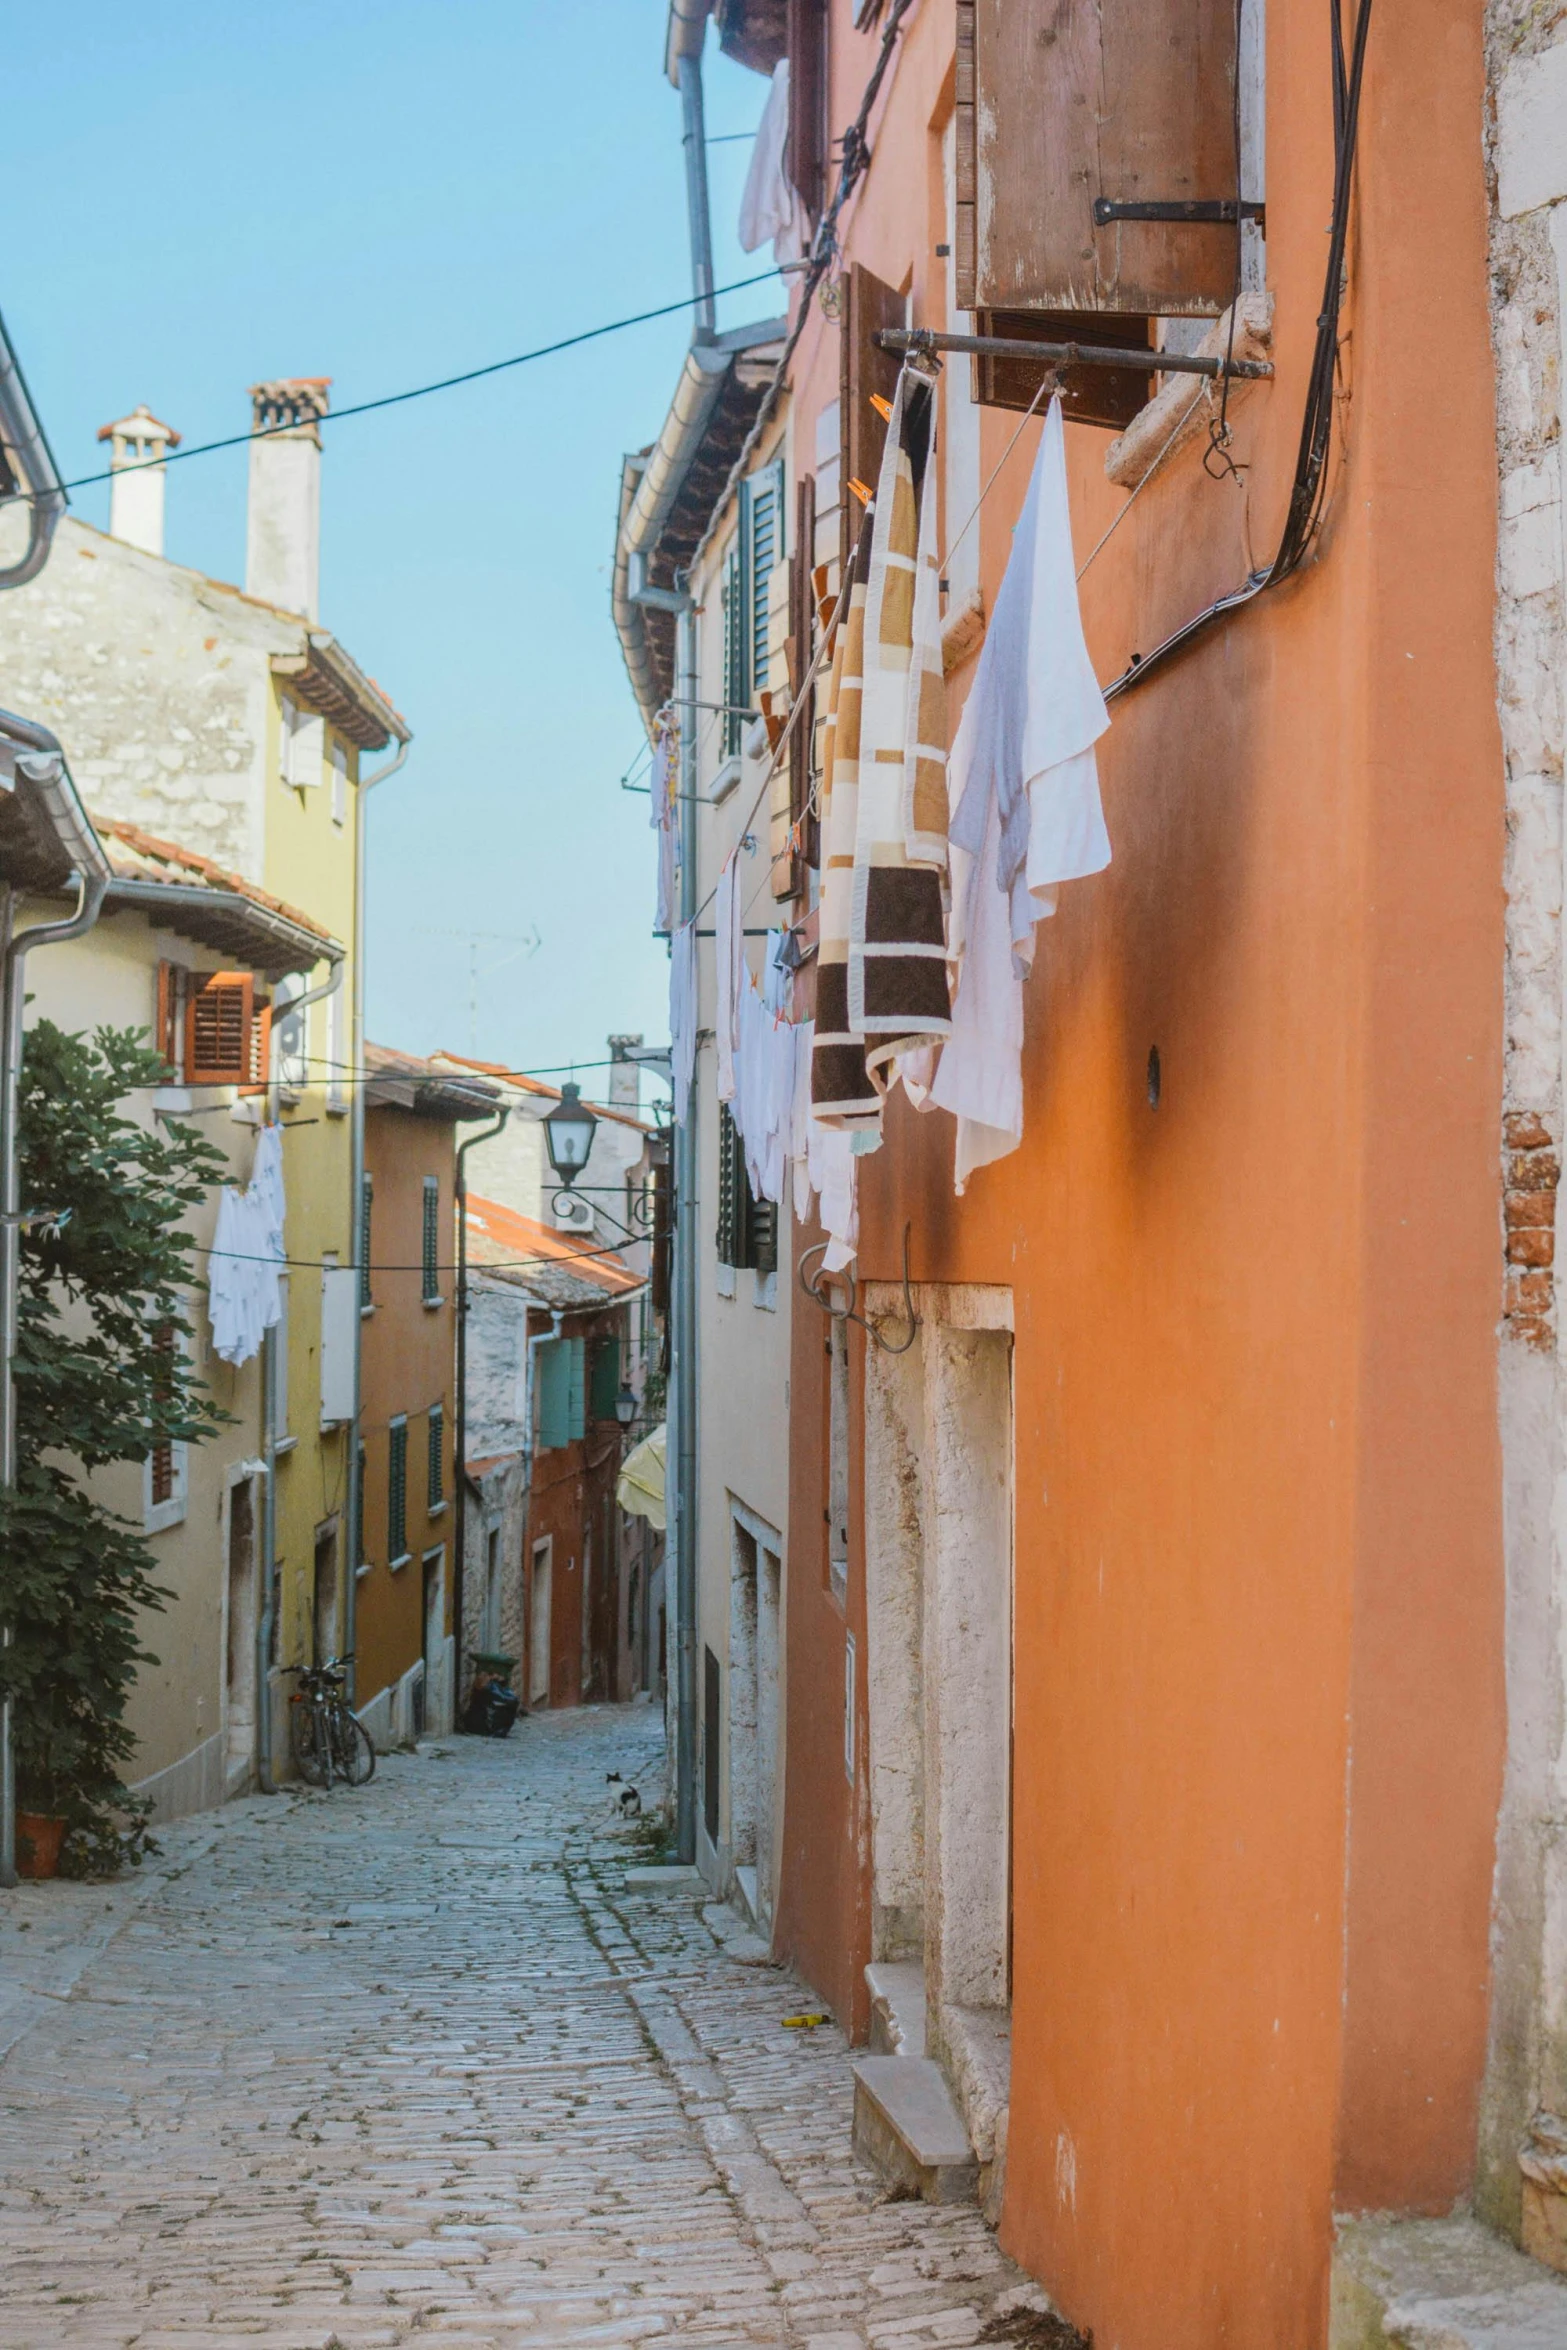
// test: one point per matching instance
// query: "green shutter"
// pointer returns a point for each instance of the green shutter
(366, 1198)
(432, 1239)
(576, 1390)
(552, 1375)
(731, 1190)
(397, 1491)
(734, 647)
(763, 549)
(604, 1382)
(761, 1234)
(435, 1457)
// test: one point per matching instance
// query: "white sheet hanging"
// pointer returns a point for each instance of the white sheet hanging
(730, 969)
(769, 205)
(244, 1276)
(1024, 788)
(682, 1016)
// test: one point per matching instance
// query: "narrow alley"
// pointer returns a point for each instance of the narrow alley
(413, 2063)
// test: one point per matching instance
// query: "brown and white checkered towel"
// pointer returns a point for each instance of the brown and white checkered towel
(882, 974)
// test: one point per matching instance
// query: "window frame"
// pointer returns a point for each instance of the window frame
(430, 1291)
(398, 1552)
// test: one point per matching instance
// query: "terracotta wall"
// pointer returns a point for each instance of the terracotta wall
(1258, 1589)
(572, 1497)
(407, 1362)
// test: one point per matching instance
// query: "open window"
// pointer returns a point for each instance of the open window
(747, 1226)
(212, 1027)
(1097, 182)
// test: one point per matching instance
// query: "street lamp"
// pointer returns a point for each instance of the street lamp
(625, 1406)
(568, 1134)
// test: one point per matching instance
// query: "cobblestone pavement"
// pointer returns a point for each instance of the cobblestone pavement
(411, 2065)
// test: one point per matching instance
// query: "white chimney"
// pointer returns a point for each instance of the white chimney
(136, 450)
(625, 1077)
(283, 529)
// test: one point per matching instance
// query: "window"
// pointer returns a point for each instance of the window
(301, 744)
(435, 1459)
(168, 1034)
(397, 1492)
(287, 720)
(339, 1341)
(712, 1697)
(339, 783)
(747, 1226)
(164, 1475)
(604, 1385)
(431, 1241)
(366, 1209)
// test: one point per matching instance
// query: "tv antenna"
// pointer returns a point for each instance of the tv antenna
(521, 942)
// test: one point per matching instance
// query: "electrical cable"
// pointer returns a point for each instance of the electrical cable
(447, 383)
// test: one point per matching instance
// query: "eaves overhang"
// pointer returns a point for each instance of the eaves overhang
(46, 835)
(255, 936)
(329, 682)
(670, 492)
(27, 469)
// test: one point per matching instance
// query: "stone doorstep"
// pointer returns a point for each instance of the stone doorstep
(897, 1989)
(1440, 2284)
(747, 1899)
(671, 1879)
(907, 2126)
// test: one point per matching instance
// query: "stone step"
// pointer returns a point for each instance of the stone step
(897, 1989)
(907, 2126)
(746, 1900)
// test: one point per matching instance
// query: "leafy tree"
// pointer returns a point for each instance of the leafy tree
(100, 1377)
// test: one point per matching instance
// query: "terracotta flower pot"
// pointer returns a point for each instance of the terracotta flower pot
(38, 1841)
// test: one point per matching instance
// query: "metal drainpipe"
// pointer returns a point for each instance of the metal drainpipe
(267, 1612)
(460, 1416)
(694, 137)
(13, 1000)
(356, 1185)
(683, 1314)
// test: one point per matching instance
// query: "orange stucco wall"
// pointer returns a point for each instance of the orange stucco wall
(1259, 1710)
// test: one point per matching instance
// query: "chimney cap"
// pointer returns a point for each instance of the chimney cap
(291, 403)
(141, 424)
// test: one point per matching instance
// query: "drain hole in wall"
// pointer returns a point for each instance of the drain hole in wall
(1153, 1077)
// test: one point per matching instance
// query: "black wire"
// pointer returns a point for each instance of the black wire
(1308, 494)
(447, 383)
(1219, 428)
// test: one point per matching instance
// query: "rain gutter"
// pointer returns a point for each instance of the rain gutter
(26, 442)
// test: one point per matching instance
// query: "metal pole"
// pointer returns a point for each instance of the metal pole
(683, 1321)
(460, 1415)
(694, 137)
(1144, 358)
(356, 1182)
(13, 999)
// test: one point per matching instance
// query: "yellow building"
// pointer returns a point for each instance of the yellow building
(230, 721)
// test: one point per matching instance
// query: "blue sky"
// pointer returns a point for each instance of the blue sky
(204, 196)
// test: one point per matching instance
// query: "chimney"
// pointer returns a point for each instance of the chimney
(625, 1076)
(283, 524)
(136, 449)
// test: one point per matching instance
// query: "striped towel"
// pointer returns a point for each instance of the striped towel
(882, 965)
(841, 1091)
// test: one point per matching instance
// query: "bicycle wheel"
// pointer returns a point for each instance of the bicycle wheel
(312, 1760)
(352, 1747)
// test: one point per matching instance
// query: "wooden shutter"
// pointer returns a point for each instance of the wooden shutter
(366, 1211)
(576, 1386)
(169, 1020)
(733, 726)
(435, 1456)
(161, 1463)
(731, 1190)
(762, 495)
(397, 1490)
(259, 1049)
(789, 865)
(1063, 103)
(712, 1688)
(807, 151)
(863, 370)
(663, 1237)
(552, 1378)
(217, 1029)
(761, 1233)
(431, 1241)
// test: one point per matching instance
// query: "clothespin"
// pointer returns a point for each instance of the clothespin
(882, 407)
(865, 496)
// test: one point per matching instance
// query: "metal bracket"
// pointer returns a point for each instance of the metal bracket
(1219, 212)
(1145, 359)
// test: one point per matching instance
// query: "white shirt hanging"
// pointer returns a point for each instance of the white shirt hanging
(769, 204)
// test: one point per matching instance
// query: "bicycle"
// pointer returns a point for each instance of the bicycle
(326, 1736)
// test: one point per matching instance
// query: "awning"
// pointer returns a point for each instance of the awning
(640, 1488)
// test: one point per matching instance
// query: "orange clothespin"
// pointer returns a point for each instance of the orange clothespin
(861, 492)
(774, 720)
(882, 407)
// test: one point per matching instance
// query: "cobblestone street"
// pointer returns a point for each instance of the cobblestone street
(413, 2065)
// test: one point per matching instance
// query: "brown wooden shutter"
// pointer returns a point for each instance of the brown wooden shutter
(260, 1050)
(869, 307)
(789, 866)
(217, 1029)
(1060, 103)
(807, 154)
(169, 1023)
(161, 1459)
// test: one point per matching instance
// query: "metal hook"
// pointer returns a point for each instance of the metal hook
(814, 1290)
